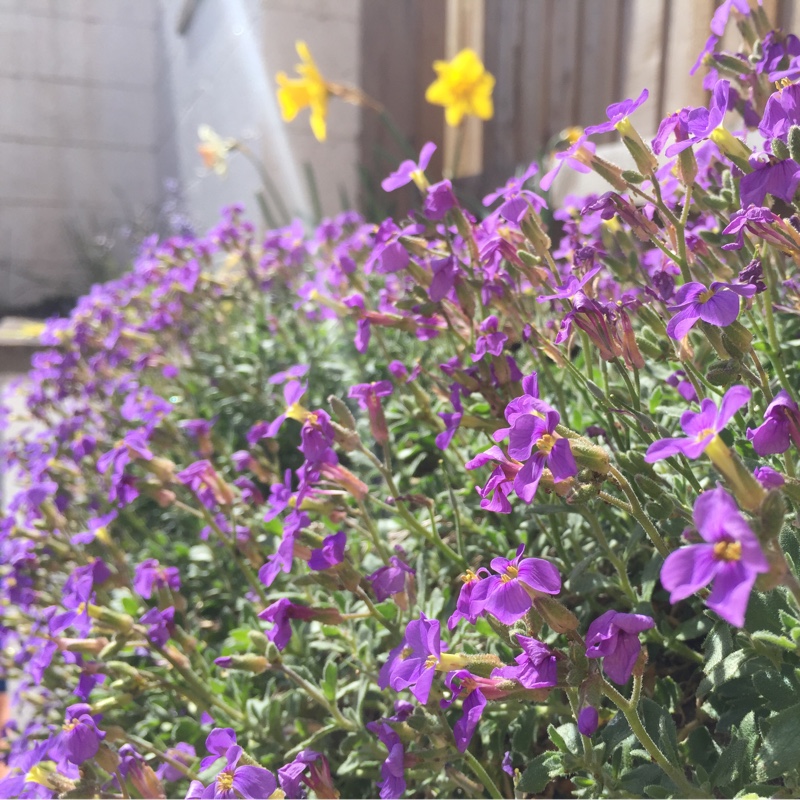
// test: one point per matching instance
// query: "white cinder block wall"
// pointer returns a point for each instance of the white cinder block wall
(100, 101)
(77, 135)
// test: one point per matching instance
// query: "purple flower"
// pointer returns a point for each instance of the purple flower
(464, 609)
(236, 781)
(160, 624)
(717, 305)
(463, 682)
(79, 738)
(330, 554)
(150, 574)
(617, 112)
(393, 782)
(517, 199)
(391, 579)
(534, 427)
(781, 112)
(495, 493)
(685, 389)
(508, 595)
(507, 764)
(184, 754)
(439, 199)
(318, 779)
(491, 341)
(412, 664)
(217, 743)
(758, 221)
(368, 395)
(769, 176)
(730, 556)
(720, 18)
(701, 427)
(769, 478)
(292, 392)
(536, 665)
(614, 637)
(570, 288)
(588, 720)
(409, 171)
(701, 122)
(781, 426)
(575, 156)
(280, 613)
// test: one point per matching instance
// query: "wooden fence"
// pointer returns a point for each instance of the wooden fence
(557, 63)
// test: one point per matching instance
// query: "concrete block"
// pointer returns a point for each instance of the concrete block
(124, 116)
(76, 113)
(30, 171)
(71, 38)
(121, 55)
(141, 13)
(32, 112)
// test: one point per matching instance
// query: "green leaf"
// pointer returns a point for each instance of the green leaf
(780, 752)
(661, 727)
(539, 773)
(329, 683)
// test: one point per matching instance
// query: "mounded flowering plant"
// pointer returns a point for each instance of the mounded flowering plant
(494, 500)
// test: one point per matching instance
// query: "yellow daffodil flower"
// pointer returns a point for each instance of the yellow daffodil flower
(214, 149)
(309, 90)
(463, 86)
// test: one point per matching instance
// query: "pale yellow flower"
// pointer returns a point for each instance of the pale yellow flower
(463, 86)
(214, 149)
(310, 90)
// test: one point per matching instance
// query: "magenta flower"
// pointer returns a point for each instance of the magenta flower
(516, 198)
(617, 112)
(572, 156)
(217, 744)
(309, 768)
(535, 429)
(781, 112)
(536, 665)
(701, 122)
(614, 637)
(391, 579)
(439, 199)
(292, 392)
(685, 389)
(330, 554)
(283, 611)
(409, 171)
(160, 624)
(701, 427)
(588, 720)
(491, 341)
(508, 595)
(718, 305)
(769, 478)
(730, 556)
(235, 781)
(150, 575)
(415, 661)
(495, 493)
(464, 609)
(570, 288)
(79, 739)
(758, 221)
(393, 781)
(474, 691)
(368, 396)
(780, 428)
(769, 176)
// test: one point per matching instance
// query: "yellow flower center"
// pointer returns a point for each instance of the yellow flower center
(705, 432)
(546, 444)
(469, 576)
(405, 653)
(511, 573)
(225, 781)
(728, 551)
(706, 295)
(70, 725)
(431, 661)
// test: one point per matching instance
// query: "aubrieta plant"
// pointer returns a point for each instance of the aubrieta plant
(458, 505)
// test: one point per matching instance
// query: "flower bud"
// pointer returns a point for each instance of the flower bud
(588, 720)
(645, 159)
(249, 662)
(343, 415)
(259, 641)
(772, 514)
(736, 150)
(558, 617)
(107, 758)
(737, 339)
(118, 622)
(589, 455)
(794, 143)
(687, 166)
(724, 373)
(780, 149)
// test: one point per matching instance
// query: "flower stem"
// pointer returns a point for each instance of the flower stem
(317, 696)
(638, 513)
(632, 716)
(483, 776)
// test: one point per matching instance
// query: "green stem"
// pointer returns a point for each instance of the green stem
(638, 513)
(483, 776)
(631, 714)
(317, 697)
